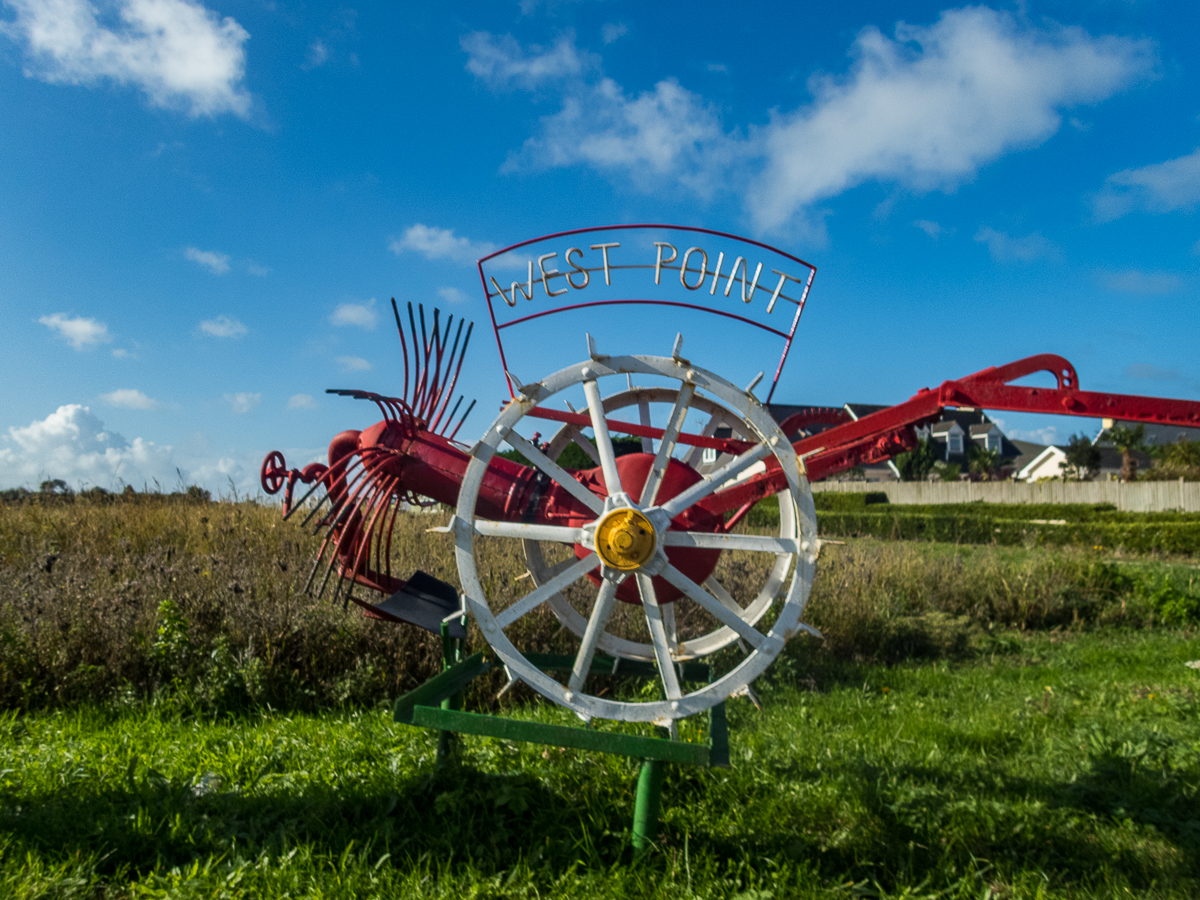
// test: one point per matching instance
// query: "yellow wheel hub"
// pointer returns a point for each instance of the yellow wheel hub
(625, 539)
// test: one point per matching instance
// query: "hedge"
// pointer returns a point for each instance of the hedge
(1179, 537)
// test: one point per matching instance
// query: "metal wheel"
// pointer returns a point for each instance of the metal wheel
(627, 541)
(683, 645)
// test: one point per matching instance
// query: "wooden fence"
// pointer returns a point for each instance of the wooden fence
(1138, 496)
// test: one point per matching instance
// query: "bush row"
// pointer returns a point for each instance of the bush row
(1180, 538)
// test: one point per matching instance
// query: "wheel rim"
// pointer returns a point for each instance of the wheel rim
(801, 543)
(273, 472)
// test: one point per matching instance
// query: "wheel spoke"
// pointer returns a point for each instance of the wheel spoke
(580, 440)
(528, 531)
(532, 600)
(668, 617)
(667, 446)
(555, 471)
(717, 609)
(608, 459)
(644, 418)
(658, 635)
(710, 428)
(559, 568)
(718, 590)
(718, 540)
(711, 483)
(606, 602)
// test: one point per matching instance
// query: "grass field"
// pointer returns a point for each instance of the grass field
(980, 721)
(1048, 765)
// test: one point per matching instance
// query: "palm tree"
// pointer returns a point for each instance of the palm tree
(1127, 439)
(983, 461)
(917, 463)
(1083, 457)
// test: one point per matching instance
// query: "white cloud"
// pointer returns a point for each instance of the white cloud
(1131, 281)
(930, 107)
(933, 229)
(217, 263)
(1005, 248)
(925, 109)
(120, 353)
(256, 269)
(353, 364)
(452, 295)
(440, 243)
(500, 62)
(1046, 435)
(612, 32)
(243, 402)
(80, 333)
(130, 398)
(361, 314)
(73, 444)
(179, 53)
(661, 136)
(1162, 187)
(301, 401)
(1152, 373)
(318, 55)
(223, 327)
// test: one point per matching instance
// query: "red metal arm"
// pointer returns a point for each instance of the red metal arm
(881, 435)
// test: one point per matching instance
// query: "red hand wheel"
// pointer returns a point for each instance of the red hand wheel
(273, 472)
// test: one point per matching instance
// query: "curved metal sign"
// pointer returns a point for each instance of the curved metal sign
(648, 265)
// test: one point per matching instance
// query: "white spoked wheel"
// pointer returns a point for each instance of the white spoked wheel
(637, 538)
(647, 400)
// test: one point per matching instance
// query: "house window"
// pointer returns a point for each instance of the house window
(992, 441)
(710, 455)
(954, 442)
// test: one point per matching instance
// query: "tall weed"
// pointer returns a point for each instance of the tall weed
(202, 604)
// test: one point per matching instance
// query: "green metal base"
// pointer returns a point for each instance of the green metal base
(648, 803)
(437, 704)
(432, 706)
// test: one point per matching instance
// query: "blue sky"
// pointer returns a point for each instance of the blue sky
(204, 209)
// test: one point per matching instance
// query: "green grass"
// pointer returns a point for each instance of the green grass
(1055, 765)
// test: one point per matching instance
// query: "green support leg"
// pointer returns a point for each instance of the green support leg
(648, 803)
(451, 654)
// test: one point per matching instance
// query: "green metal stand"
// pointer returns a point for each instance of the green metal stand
(648, 803)
(437, 704)
(451, 655)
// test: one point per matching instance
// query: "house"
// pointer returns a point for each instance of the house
(1028, 454)
(1052, 463)
(1157, 435)
(965, 427)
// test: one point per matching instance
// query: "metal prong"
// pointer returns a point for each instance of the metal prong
(754, 383)
(516, 382)
(677, 350)
(591, 345)
(511, 681)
